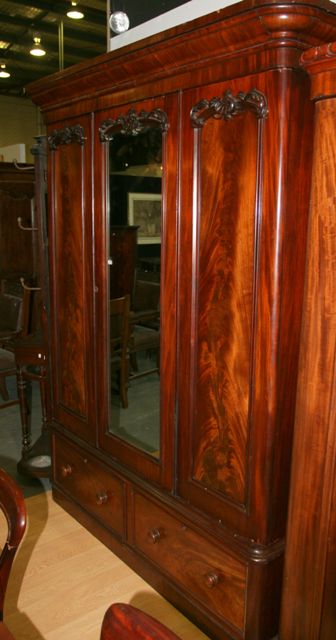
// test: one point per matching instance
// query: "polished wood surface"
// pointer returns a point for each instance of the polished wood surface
(237, 157)
(12, 506)
(124, 622)
(310, 566)
(71, 277)
(64, 579)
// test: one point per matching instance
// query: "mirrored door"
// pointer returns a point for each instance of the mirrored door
(134, 234)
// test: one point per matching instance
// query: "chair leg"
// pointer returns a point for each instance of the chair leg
(3, 388)
(123, 384)
(134, 361)
(24, 412)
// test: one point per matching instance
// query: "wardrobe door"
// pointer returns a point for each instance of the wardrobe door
(71, 269)
(239, 324)
(136, 161)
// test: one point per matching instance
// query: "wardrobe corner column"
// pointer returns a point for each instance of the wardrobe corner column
(310, 558)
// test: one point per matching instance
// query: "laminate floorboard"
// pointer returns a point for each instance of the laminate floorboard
(63, 580)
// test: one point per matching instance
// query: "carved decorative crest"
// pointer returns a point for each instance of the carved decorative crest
(229, 106)
(66, 136)
(133, 123)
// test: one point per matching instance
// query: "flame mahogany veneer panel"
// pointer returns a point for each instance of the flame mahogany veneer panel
(72, 251)
(224, 303)
(235, 208)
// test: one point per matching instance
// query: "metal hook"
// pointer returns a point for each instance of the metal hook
(25, 286)
(21, 226)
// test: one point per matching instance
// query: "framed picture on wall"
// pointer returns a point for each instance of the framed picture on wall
(144, 211)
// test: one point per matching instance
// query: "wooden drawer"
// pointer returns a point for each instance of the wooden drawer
(210, 575)
(90, 483)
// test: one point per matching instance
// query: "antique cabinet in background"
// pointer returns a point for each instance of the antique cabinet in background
(202, 514)
(18, 243)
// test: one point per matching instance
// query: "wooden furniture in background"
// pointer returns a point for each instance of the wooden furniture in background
(14, 324)
(13, 506)
(125, 622)
(31, 359)
(119, 337)
(308, 604)
(122, 260)
(7, 370)
(204, 520)
(17, 246)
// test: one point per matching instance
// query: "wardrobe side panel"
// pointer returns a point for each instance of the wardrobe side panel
(71, 242)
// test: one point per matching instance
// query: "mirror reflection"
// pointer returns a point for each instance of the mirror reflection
(135, 170)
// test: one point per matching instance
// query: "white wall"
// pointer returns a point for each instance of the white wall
(186, 12)
(20, 121)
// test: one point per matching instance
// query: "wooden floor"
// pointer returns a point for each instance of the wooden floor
(64, 579)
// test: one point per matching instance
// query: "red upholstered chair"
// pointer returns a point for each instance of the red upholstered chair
(13, 506)
(124, 622)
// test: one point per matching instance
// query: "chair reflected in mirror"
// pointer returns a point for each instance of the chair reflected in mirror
(119, 338)
(145, 328)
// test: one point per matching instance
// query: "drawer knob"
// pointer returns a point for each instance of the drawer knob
(154, 536)
(101, 497)
(211, 579)
(66, 470)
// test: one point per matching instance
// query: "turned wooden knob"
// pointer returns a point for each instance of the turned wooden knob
(154, 536)
(211, 579)
(66, 470)
(102, 497)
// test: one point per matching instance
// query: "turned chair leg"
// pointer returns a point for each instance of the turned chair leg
(24, 412)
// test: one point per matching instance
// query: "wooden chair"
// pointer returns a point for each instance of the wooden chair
(13, 506)
(14, 324)
(7, 369)
(145, 325)
(119, 336)
(125, 622)
(143, 340)
(14, 317)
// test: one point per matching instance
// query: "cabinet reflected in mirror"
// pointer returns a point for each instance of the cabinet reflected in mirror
(134, 230)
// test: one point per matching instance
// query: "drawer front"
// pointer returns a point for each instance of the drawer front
(210, 575)
(90, 483)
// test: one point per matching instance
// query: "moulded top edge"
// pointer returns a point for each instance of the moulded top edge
(252, 23)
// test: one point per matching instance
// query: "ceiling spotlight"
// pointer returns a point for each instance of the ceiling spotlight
(119, 22)
(37, 49)
(3, 72)
(74, 13)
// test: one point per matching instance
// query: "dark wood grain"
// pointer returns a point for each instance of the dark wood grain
(16, 200)
(205, 571)
(309, 578)
(234, 221)
(72, 278)
(225, 252)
